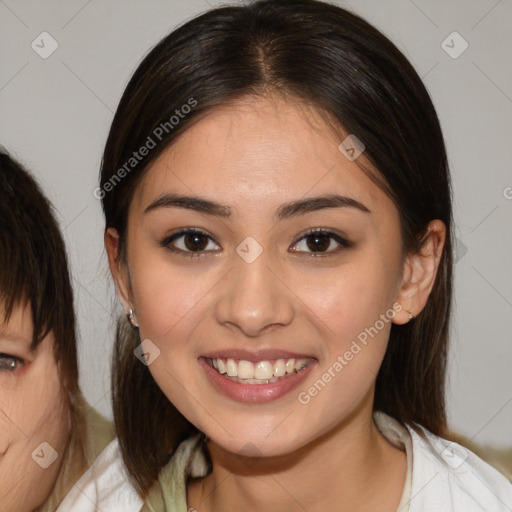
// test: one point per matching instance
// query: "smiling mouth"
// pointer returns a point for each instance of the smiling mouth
(261, 372)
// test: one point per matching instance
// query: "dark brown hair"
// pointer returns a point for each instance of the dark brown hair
(33, 266)
(319, 53)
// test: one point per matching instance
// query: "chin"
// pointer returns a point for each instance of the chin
(258, 444)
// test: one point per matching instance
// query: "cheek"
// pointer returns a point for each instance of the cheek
(36, 404)
(352, 308)
(352, 299)
(50, 413)
(6, 428)
(33, 411)
(164, 296)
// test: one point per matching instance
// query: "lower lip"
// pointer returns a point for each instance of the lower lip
(254, 393)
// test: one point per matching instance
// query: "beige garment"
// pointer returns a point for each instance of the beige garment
(499, 458)
(189, 460)
(91, 433)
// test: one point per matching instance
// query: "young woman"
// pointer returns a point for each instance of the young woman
(49, 434)
(278, 225)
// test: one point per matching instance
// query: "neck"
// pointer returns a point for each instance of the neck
(350, 468)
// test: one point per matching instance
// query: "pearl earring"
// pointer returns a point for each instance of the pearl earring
(131, 316)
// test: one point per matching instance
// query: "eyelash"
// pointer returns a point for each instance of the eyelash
(9, 367)
(166, 243)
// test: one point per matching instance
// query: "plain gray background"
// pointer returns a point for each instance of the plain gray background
(55, 114)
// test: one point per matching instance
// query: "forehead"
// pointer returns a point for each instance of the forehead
(259, 149)
(19, 327)
(16, 334)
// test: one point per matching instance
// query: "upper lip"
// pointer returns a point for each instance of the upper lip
(254, 355)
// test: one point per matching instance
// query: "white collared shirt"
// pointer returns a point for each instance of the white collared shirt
(441, 476)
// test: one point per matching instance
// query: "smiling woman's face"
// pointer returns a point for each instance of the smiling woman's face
(252, 292)
(33, 411)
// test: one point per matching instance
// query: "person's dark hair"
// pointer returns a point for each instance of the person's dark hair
(33, 266)
(332, 59)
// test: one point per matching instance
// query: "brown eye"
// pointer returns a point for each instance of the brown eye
(190, 242)
(321, 242)
(195, 241)
(318, 243)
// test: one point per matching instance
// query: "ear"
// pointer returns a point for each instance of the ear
(419, 273)
(118, 269)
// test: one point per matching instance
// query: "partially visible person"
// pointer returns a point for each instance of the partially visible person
(49, 435)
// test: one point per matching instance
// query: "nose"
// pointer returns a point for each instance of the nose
(254, 298)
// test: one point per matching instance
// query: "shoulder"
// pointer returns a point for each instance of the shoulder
(105, 486)
(449, 477)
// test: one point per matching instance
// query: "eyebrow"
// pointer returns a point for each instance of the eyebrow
(13, 336)
(285, 211)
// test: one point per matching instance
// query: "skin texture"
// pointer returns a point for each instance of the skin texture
(33, 410)
(254, 156)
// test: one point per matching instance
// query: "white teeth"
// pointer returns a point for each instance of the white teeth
(263, 370)
(245, 370)
(300, 364)
(279, 368)
(255, 373)
(231, 368)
